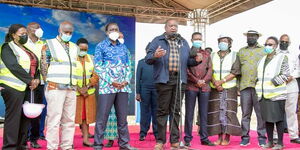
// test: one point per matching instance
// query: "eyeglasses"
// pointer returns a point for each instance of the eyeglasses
(269, 44)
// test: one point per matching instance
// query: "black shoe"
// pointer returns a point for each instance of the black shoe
(187, 144)
(142, 138)
(286, 130)
(297, 141)
(207, 143)
(245, 142)
(127, 147)
(87, 145)
(90, 136)
(25, 147)
(42, 138)
(110, 143)
(35, 144)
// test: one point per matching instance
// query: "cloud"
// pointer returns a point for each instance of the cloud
(4, 29)
(83, 26)
(16, 6)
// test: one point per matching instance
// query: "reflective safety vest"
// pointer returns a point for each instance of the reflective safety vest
(62, 67)
(89, 67)
(37, 50)
(222, 68)
(6, 77)
(264, 87)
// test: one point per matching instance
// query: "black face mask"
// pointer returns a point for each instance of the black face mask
(23, 39)
(284, 45)
(251, 41)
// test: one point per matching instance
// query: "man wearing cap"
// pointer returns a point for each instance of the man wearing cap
(248, 58)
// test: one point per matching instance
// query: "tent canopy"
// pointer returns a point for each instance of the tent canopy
(152, 11)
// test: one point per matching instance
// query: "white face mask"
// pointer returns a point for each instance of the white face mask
(39, 33)
(114, 36)
(121, 41)
(82, 53)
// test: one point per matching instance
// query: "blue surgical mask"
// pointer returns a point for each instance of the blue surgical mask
(223, 46)
(66, 38)
(268, 49)
(197, 43)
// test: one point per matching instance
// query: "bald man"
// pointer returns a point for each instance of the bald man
(35, 43)
(59, 70)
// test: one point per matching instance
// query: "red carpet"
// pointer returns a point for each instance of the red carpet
(149, 143)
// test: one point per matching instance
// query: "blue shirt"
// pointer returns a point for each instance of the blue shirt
(112, 64)
(144, 76)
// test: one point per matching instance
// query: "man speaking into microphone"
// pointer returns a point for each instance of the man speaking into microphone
(169, 55)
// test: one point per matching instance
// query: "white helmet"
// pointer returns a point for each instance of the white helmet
(221, 36)
(32, 110)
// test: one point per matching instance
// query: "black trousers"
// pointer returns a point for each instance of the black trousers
(16, 123)
(35, 123)
(168, 104)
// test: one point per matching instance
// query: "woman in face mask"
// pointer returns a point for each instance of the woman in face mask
(222, 105)
(18, 75)
(273, 74)
(86, 99)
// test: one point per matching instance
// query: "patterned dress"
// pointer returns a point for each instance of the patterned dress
(111, 131)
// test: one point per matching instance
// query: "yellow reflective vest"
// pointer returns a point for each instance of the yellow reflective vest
(37, 50)
(62, 67)
(222, 68)
(264, 87)
(89, 68)
(6, 77)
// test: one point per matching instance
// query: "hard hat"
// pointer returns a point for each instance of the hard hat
(32, 110)
(223, 36)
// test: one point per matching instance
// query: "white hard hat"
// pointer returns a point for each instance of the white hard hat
(32, 110)
(223, 36)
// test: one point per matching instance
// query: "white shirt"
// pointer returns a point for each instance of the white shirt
(294, 67)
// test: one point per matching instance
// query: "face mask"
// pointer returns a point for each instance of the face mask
(121, 41)
(114, 36)
(251, 41)
(82, 53)
(197, 43)
(23, 39)
(223, 46)
(284, 46)
(66, 38)
(39, 33)
(268, 49)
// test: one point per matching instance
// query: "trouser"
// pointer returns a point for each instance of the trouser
(61, 106)
(35, 122)
(104, 105)
(43, 117)
(168, 103)
(280, 131)
(291, 115)
(190, 101)
(148, 110)
(298, 114)
(16, 123)
(249, 101)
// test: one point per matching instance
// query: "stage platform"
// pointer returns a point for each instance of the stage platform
(149, 143)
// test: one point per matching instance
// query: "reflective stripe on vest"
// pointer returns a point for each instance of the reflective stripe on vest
(6, 77)
(264, 86)
(62, 68)
(89, 67)
(222, 68)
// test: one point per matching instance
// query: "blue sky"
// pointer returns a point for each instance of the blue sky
(87, 25)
